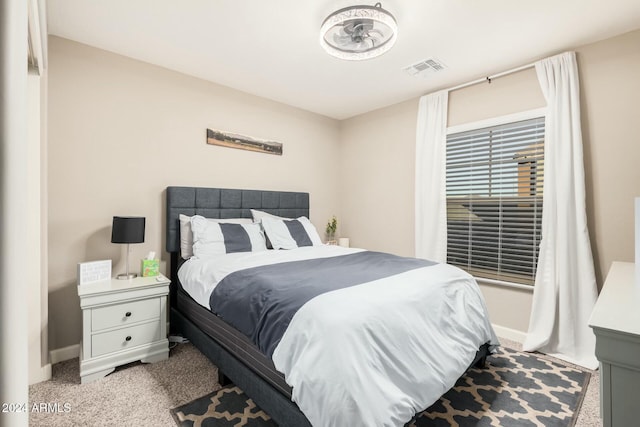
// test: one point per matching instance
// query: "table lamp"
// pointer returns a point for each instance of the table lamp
(127, 229)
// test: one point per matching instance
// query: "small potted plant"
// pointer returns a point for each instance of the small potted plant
(332, 226)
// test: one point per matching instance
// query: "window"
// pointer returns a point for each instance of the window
(495, 181)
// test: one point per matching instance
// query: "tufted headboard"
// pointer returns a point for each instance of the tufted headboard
(227, 203)
(222, 203)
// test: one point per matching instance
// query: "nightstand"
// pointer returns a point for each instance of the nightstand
(122, 321)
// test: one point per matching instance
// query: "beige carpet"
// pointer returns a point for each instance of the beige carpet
(141, 394)
(134, 395)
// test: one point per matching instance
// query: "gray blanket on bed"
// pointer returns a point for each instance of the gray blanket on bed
(261, 301)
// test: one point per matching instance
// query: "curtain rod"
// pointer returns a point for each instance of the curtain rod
(489, 78)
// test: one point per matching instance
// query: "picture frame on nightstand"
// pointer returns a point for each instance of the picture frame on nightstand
(94, 271)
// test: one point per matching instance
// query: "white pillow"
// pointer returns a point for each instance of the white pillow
(258, 215)
(213, 238)
(291, 234)
(186, 235)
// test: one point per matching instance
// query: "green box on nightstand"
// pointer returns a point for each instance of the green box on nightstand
(149, 267)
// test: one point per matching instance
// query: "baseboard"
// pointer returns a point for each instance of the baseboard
(511, 334)
(64, 353)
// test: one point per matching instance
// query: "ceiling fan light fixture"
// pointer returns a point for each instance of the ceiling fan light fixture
(358, 32)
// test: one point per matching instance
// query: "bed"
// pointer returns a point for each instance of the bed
(236, 356)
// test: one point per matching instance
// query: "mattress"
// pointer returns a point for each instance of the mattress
(232, 340)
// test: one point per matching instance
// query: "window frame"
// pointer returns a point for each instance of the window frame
(497, 121)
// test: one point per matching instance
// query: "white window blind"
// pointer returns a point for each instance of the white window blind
(495, 181)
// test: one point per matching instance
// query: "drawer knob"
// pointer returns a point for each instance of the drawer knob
(128, 314)
(128, 338)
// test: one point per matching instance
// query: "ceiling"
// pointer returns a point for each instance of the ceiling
(271, 48)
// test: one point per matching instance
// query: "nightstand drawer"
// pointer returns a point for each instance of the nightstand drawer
(122, 339)
(124, 314)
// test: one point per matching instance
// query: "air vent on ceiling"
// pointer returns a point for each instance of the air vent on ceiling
(425, 67)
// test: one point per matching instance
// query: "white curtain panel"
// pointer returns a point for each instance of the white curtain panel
(431, 190)
(565, 287)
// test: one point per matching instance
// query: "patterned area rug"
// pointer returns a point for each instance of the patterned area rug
(515, 389)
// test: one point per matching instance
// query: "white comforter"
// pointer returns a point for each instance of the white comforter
(372, 354)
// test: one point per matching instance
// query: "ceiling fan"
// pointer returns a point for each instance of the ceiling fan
(358, 32)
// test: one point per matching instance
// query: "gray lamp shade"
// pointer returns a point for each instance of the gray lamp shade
(127, 229)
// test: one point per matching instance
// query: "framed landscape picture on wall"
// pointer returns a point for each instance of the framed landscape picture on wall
(243, 142)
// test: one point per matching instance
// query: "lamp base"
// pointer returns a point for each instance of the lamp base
(125, 276)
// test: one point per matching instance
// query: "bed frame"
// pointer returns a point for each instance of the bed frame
(232, 203)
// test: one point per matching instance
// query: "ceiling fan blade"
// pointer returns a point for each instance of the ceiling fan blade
(370, 42)
(341, 39)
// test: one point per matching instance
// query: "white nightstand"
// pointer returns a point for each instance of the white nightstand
(122, 321)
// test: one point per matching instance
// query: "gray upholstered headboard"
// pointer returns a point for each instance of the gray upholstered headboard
(227, 203)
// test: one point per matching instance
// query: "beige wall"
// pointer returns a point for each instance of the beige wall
(374, 179)
(505, 95)
(118, 129)
(610, 88)
(121, 131)
(376, 176)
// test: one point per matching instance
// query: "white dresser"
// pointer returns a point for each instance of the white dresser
(122, 321)
(616, 323)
